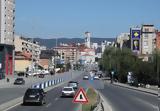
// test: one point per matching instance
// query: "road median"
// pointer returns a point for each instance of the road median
(93, 100)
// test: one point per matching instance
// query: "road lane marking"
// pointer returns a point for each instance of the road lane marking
(13, 106)
(56, 99)
(148, 104)
(48, 105)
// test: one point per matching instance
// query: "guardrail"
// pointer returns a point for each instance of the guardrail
(48, 83)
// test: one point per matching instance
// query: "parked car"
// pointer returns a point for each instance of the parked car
(34, 95)
(19, 81)
(73, 84)
(68, 92)
(85, 77)
(96, 77)
(21, 73)
(41, 75)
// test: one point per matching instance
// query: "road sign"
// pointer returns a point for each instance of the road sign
(80, 97)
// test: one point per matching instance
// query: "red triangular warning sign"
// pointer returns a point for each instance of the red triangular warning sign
(80, 97)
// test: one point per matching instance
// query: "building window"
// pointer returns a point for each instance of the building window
(146, 35)
(146, 29)
(146, 43)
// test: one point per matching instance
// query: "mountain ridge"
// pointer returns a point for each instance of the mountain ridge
(51, 42)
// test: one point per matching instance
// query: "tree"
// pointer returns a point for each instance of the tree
(123, 60)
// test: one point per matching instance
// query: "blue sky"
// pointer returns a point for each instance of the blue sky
(71, 18)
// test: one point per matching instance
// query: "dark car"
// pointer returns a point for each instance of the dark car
(19, 81)
(20, 73)
(34, 95)
(73, 84)
(41, 75)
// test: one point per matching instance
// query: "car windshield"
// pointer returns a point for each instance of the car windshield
(67, 89)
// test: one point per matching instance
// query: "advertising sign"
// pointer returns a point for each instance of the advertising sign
(136, 34)
(135, 44)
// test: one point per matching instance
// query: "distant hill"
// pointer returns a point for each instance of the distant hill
(49, 43)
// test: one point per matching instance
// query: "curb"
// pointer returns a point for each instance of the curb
(103, 105)
(132, 88)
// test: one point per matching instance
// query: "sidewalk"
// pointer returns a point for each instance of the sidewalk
(146, 90)
(31, 80)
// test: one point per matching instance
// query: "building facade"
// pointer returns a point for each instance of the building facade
(122, 38)
(6, 61)
(87, 56)
(88, 39)
(158, 40)
(7, 21)
(47, 59)
(148, 39)
(22, 61)
(68, 54)
(27, 45)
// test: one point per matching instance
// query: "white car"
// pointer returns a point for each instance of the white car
(96, 77)
(85, 77)
(68, 92)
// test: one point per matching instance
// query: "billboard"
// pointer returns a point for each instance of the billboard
(136, 45)
(136, 34)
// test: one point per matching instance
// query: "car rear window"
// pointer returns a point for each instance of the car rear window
(67, 89)
(19, 78)
(32, 91)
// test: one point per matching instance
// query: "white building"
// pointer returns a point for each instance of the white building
(122, 37)
(88, 39)
(7, 24)
(94, 45)
(148, 39)
(87, 55)
(105, 44)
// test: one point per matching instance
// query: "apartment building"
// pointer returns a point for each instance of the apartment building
(158, 40)
(7, 18)
(7, 24)
(68, 53)
(23, 44)
(148, 39)
(122, 38)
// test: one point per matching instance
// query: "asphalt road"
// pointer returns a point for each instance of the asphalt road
(122, 99)
(14, 91)
(56, 103)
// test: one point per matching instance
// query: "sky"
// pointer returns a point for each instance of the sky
(71, 18)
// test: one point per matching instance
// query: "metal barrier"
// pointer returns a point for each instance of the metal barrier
(49, 83)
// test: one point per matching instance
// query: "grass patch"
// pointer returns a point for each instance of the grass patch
(92, 99)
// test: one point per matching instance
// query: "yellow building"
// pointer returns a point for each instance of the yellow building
(22, 61)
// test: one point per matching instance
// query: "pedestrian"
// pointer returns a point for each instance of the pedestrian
(7, 79)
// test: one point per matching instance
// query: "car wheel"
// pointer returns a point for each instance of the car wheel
(24, 103)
